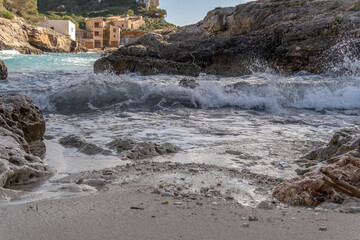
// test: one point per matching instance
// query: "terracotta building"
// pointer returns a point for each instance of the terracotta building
(102, 32)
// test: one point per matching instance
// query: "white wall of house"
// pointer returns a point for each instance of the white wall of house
(61, 26)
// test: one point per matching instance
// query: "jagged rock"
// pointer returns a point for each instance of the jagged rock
(3, 71)
(341, 143)
(141, 150)
(188, 83)
(21, 126)
(73, 141)
(20, 115)
(311, 189)
(288, 36)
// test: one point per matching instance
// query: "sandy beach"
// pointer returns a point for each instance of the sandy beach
(137, 208)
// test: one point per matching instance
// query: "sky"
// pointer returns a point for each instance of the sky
(185, 12)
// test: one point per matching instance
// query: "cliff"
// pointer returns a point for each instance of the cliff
(288, 36)
(28, 39)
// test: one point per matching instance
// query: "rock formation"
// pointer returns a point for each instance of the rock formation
(22, 128)
(126, 148)
(342, 176)
(28, 39)
(3, 71)
(289, 36)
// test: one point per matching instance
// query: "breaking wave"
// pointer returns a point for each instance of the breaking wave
(74, 93)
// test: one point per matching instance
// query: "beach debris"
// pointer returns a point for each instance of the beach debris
(246, 225)
(136, 208)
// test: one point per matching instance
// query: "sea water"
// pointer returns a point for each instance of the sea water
(262, 122)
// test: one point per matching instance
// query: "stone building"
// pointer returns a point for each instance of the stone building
(102, 32)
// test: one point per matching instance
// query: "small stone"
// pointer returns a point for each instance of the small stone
(322, 228)
(214, 203)
(166, 194)
(193, 170)
(354, 210)
(265, 205)
(318, 209)
(165, 202)
(177, 203)
(246, 225)
(253, 218)
(204, 189)
(261, 191)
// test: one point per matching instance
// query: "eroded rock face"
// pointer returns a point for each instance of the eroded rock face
(27, 39)
(21, 127)
(311, 189)
(289, 36)
(3, 71)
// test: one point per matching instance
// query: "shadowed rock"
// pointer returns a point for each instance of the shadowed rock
(3, 71)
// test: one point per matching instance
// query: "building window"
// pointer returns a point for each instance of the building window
(52, 28)
(72, 29)
(114, 36)
(122, 25)
(114, 30)
(97, 24)
(132, 26)
(97, 34)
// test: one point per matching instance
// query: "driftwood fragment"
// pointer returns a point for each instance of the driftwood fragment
(340, 185)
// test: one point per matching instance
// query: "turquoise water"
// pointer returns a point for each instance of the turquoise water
(49, 62)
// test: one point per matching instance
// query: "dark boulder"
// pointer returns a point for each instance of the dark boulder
(3, 71)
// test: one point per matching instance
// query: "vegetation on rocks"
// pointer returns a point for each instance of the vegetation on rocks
(26, 9)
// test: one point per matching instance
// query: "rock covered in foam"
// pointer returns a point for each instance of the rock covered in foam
(141, 150)
(343, 142)
(22, 127)
(3, 71)
(83, 146)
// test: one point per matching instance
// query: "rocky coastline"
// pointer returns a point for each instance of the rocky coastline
(28, 39)
(287, 36)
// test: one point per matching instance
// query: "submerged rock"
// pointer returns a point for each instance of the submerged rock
(21, 127)
(140, 150)
(73, 141)
(288, 36)
(3, 71)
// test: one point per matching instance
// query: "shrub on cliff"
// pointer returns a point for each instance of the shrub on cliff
(7, 14)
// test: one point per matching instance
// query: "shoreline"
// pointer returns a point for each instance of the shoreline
(130, 210)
